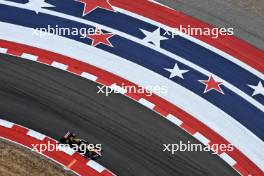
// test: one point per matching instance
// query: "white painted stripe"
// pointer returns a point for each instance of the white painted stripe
(3, 50)
(99, 168)
(6, 124)
(89, 76)
(29, 57)
(201, 138)
(222, 123)
(195, 40)
(66, 149)
(153, 1)
(174, 120)
(59, 65)
(228, 159)
(118, 89)
(146, 44)
(36, 135)
(146, 103)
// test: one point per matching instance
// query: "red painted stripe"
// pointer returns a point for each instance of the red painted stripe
(44, 60)
(74, 70)
(104, 81)
(133, 96)
(161, 111)
(14, 52)
(188, 128)
(172, 18)
(190, 123)
(241, 170)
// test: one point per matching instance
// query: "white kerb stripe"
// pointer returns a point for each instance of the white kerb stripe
(6, 124)
(99, 168)
(174, 120)
(3, 50)
(118, 89)
(201, 138)
(29, 57)
(66, 149)
(146, 103)
(59, 65)
(228, 159)
(89, 76)
(36, 135)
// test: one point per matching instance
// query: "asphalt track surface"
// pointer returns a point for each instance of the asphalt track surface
(52, 101)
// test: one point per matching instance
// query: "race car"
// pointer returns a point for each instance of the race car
(81, 146)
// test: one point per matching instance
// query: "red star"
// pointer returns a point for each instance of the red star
(100, 37)
(91, 5)
(212, 84)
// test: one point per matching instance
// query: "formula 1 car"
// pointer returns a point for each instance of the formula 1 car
(83, 147)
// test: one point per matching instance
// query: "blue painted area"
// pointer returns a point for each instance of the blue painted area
(233, 104)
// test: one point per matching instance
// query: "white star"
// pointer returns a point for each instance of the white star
(153, 37)
(176, 71)
(259, 89)
(37, 5)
